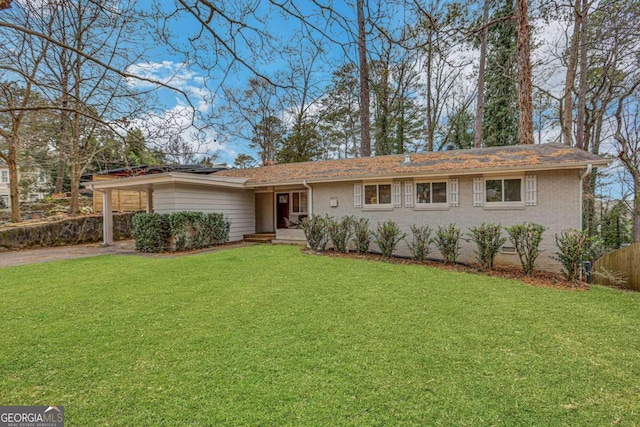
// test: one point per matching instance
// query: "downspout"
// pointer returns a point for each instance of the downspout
(310, 199)
(582, 178)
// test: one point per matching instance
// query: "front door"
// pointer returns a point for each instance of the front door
(282, 209)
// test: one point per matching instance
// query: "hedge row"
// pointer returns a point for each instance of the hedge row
(179, 231)
(575, 247)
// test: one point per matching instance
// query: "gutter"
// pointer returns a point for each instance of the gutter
(310, 201)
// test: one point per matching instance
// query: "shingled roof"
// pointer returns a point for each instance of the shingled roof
(520, 157)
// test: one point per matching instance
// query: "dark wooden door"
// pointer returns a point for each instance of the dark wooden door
(282, 209)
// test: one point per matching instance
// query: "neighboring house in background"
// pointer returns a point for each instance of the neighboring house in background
(4, 186)
(35, 180)
(506, 185)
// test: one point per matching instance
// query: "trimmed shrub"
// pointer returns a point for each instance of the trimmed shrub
(340, 232)
(184, 227)
(219, 226)
(315, 231)
(576, 247)
(361, 235)
(526, 238)
(387, 236)
(188, 230)
(447, 241)
(196, 230)
(488, 238)
(421, 240)
(151, 231)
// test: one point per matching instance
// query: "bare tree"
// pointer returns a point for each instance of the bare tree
(16, 89)
(573, 54)
(627, 136)
(477, 141)
(84, 71)
(365, 133)
(253, 115)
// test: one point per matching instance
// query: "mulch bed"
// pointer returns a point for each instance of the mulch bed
(540, 278)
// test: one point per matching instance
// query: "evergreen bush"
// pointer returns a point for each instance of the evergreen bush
(340, 232)
(576, 247)
(189, 230)
(387, 236)
(361, 235)
(315, 231)
(526, 238)
(447, 241)
(421, 240)
(151, 231)
(488, 238)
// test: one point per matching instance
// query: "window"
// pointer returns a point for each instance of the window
(503, 190)
(4, 177)
(299, 202)
(377, 194)
(431, 192)
(4, 202)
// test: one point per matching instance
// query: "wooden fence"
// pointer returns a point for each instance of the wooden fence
(122, 200)
(625, 262)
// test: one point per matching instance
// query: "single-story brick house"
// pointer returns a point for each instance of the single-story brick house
(506, 185)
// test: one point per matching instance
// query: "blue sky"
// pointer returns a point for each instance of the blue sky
(171, 67)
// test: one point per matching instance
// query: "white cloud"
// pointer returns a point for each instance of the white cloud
(180, 118)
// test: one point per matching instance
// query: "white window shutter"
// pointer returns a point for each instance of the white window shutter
(478, 192)
(357, 195)
(408, 194)
(453, 192)
(531, 192)
(397, 194)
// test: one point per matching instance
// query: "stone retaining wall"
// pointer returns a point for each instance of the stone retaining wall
(86, 229)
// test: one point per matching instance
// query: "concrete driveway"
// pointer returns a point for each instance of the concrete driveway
(34, 256)
(123, 247)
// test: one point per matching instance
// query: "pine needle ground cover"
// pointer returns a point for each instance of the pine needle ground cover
(266, 335)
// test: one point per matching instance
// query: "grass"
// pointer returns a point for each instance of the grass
(266, 335)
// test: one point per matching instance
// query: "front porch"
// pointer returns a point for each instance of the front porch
(282, 235)
(279, 210)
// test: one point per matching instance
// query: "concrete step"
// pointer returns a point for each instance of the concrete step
(260, 237)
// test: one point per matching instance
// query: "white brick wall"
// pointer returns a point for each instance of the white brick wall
(558, 208)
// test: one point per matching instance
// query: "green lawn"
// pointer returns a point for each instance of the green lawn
(266, 335)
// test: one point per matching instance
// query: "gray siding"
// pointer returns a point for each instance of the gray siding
(558, 208)
(236, 204)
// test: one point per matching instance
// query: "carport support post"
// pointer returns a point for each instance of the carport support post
(150, 199)
(107, 219)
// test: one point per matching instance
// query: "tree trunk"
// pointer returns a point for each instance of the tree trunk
(636, 209)
(64, 119)
(483, 60)
(572, 63)
(62, 147)
(525, 88)
(14, 195)
(430, 132)
(365, 131)
(581, 142)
